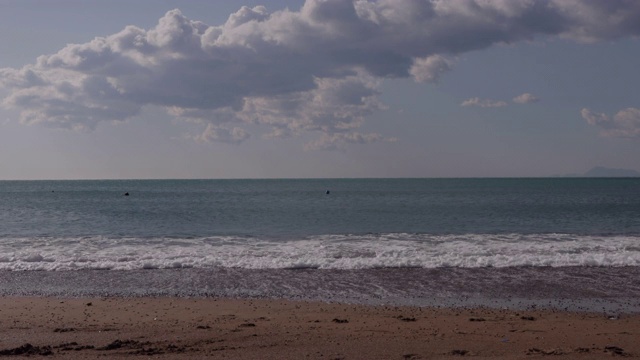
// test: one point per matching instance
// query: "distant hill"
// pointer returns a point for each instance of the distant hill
(600, 171)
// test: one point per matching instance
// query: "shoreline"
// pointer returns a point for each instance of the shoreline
(605, 290)
(181, 328)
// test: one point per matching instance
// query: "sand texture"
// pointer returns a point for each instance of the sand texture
(174, 328)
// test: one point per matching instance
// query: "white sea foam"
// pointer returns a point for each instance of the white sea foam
(322, 252)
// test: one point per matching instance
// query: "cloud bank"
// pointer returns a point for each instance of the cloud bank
(315, 70)
(625, 123)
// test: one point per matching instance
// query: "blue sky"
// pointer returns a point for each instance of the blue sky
(196, 89)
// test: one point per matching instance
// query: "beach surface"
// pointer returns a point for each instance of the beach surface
(183, 328)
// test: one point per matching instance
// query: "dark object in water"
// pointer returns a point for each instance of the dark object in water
(126, 194)
(328, 192)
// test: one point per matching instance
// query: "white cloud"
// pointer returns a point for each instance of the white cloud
(234, 135)
(526, 98)
(430, 68)
(334, 106)
(314, 70)
(625, 123)
(476, 101)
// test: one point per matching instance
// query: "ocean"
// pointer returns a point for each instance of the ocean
(568, 242)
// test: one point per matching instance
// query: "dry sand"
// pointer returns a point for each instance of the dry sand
(172, 328)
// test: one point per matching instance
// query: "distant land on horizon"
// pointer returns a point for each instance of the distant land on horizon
(601, 171)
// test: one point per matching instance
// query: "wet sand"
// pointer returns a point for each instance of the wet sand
(178, 328)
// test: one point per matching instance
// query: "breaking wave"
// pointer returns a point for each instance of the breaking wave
(395, 250)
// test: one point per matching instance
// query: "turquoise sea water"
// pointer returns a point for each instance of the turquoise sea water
(411, 238)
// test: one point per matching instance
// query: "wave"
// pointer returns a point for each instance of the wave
(320, 252)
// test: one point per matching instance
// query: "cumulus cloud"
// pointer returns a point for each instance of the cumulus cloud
(625, 123)
(430, 68)
(485, 103)
(526, 98)
(313, 70)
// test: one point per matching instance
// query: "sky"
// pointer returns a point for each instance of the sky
(153, 89)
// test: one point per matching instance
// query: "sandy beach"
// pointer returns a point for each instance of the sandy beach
(178, 328)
